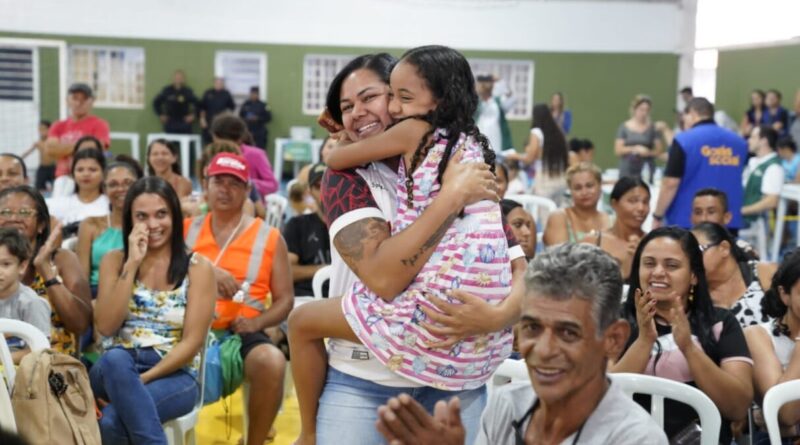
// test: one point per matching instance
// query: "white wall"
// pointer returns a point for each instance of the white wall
(722, 23)
(525, 25)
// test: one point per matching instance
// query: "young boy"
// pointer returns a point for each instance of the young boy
(46, 173)
(17, 301)
(711, 205)
(787, 150)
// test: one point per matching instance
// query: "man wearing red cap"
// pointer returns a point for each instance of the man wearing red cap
(251, 264)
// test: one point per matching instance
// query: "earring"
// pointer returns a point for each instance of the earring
(691, 294)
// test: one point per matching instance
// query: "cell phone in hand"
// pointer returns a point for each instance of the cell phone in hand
(325, 120)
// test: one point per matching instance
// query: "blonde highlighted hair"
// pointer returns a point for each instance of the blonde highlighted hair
(638, 100)
(584, 167)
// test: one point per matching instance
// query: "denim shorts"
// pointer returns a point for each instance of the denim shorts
(348, 408)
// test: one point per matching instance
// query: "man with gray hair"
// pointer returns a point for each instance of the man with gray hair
(569, 329)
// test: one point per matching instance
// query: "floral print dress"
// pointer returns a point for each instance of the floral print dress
(472, 256)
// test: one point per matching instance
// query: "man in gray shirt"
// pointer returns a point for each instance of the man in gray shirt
(568, 331)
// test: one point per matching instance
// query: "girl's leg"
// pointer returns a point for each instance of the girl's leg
(309, 325)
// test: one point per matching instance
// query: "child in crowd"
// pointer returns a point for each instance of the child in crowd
(434, 98)
(46, 173)
(17, 301)
(787, 150)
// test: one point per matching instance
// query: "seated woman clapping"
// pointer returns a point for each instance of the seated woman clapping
(677, 333)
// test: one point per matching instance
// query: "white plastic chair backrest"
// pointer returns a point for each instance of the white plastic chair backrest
(538, 206)
(774, 399)
(32, 336)
(320, 277)
(276, 207)
(659, 388)
(509, 371)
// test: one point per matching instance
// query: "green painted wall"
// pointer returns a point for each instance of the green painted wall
(740, 71)
(598, 87)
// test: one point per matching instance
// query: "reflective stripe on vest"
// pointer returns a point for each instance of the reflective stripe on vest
(254, 264)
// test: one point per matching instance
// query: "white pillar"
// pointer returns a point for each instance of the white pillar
(686, 47)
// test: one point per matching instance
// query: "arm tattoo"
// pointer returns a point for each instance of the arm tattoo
(350, 240)
(433, 241)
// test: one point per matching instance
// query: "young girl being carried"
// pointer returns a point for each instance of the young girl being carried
(434, 93)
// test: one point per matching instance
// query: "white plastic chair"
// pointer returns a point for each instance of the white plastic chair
(509, 371)
(320, 277)
(540, 208)
(659, 388)
(276, 207)
(181, 431)
(758, 234)
(774, 399)
(36, 341)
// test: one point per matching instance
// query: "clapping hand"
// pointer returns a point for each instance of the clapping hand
(45, 253)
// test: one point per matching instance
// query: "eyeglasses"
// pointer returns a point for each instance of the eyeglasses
(705, 247)
(116, 185)
(22, 213)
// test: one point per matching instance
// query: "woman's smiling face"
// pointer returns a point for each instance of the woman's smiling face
(364, 103)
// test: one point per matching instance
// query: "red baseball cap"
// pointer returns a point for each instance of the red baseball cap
(229, 164)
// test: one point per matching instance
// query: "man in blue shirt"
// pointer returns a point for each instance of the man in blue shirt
(705, 155)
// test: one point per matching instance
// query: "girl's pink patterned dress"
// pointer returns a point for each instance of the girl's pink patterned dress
(472, 256)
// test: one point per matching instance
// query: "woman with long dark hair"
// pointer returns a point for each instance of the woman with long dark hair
(776, 359)
(54, 273)
(154, 307)
(735, 281)
(88, 199)
(630, 200)
(163, 161)
(546, 155)
(678, 334)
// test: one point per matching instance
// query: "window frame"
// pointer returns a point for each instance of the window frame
(94, 70)
(341, 60)
(512, 115)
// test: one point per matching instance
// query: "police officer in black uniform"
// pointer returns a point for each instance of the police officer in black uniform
(215, 101)
(176, 106)
(257, 116)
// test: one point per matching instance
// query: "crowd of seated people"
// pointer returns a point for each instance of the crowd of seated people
(135, 266)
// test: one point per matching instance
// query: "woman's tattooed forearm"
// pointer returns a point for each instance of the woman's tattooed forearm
(432, 241)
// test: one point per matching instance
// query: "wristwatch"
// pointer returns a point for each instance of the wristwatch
(53, 281)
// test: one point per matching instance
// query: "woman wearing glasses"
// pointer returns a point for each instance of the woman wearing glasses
(734, 281)
(101, 234)
(55, 273)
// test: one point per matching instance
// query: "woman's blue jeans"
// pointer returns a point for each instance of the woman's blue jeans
(136, 411)
(348, 408)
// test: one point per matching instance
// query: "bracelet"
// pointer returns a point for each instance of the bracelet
(658, 218)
